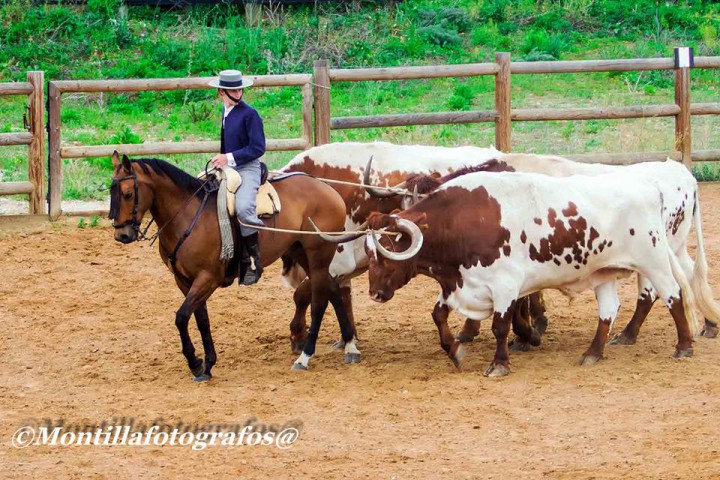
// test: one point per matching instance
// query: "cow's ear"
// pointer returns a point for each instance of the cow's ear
(126, 164)
(396, 211)
(422, 222)
(435, 175)
(115, 159)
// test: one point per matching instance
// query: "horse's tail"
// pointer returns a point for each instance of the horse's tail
(703, 293)
(292, 273)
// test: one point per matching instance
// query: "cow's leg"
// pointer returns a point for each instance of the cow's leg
(671, 294)
(710, 328)
(646, 299)
(298, 326)
(452, 346)
(470, 330)
(501, 323)
(537, 312)
(608, 306)
(525, 333)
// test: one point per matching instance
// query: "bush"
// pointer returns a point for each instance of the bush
(440, 36)
(539, 42)
(448, 17)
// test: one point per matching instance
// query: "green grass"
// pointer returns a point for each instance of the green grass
(107, 40)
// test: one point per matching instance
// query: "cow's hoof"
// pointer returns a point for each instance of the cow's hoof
(457, 355)
(202, 378)
(297, 347)
(352, 358)
(710, 331)
(541, 324)
(497, 370)
(299, 366)
(517, 345)
(339, 345)
(687, 353)
(587, 359)
(621, 339)
(464, 337)
(199, 370)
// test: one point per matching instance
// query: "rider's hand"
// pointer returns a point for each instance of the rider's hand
(219, 161)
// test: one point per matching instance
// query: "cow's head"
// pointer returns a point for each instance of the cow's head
(391, 245)
(392, 253)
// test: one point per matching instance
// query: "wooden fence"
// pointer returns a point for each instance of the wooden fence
(34, 138)
(503, 115)
(316, 100)
(58, 152)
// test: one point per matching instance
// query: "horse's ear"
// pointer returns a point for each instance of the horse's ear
(126, 164)
(115, 159)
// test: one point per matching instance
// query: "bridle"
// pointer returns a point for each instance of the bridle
(115, 199)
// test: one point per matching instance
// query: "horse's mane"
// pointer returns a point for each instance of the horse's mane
(181, 178)
(428, 183)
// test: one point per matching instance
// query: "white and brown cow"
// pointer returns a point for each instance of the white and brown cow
(679, 190)
(490, 238)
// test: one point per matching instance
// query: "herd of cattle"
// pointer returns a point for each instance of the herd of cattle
(495, 229)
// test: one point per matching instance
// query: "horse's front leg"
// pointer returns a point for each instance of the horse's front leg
(195, 296)
(203, 323)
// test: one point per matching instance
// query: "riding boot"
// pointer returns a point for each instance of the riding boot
(253, 268)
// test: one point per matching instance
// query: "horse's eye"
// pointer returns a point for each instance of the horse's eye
(128, 196)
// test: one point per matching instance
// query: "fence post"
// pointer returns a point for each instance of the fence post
(321, 78)
(503, 127)
(683, 140)
(36, 149)
(55, 160)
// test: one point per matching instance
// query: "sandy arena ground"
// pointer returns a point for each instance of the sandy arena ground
(88, 334)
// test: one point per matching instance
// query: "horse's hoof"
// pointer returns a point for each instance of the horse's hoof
(352, 358)
(464, 337)
(299, 366)
(621, 339)
(711, 330)
(687, 353)
(199, 370)
(588, 359)
(497, 370)
(518, 345)
(339, 345)
(458, 355)
(202, 378)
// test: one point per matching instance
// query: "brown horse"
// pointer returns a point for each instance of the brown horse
(178, 204)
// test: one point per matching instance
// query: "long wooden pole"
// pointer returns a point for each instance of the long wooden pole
(683, 140)
(503, 126)
(307, 113)
(322, 102)
(55, 160)
(36, 150)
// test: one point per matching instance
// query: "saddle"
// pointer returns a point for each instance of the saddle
(267, 201)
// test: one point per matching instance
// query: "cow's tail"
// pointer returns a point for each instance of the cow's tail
(292, 273)
(689, 299)
(703, 293)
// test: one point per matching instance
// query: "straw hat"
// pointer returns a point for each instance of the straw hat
(231, 80)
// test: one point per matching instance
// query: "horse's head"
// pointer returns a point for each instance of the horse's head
(130, 198)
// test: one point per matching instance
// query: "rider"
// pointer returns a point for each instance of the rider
(242, 143)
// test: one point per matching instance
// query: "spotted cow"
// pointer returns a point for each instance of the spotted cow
(491, 238)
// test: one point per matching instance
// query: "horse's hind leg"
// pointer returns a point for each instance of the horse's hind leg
(346, 297)
(203, 323)
(347, 326)
(298, 327)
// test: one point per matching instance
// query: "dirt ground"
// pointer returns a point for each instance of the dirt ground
(88, 334)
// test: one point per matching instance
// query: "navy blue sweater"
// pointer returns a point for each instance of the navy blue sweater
(243, 134)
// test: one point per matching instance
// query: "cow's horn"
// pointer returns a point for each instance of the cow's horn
(341, 238)
(375, 192)
(405, 226)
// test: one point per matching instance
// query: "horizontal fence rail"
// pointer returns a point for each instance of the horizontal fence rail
(34, 138)
(58, 152)
(503, 115)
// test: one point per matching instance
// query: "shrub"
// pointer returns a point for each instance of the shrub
(438, 35)
(448, 17)
(539, 42)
